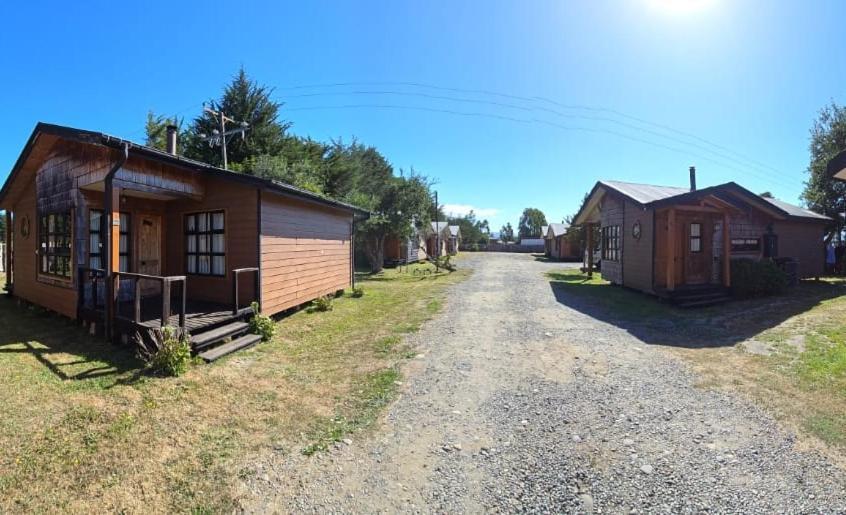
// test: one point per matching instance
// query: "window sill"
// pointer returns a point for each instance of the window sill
(55, 281)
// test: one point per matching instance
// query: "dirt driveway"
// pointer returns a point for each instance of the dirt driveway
(518, 402)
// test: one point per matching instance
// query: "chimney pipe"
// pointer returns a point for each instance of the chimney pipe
(692, 178)
(171, 139)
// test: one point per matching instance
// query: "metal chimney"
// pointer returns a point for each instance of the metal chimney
(692, 178)
(172, 131)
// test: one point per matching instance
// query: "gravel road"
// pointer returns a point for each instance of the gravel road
(519, 403)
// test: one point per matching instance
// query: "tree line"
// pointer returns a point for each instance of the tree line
(348, 171)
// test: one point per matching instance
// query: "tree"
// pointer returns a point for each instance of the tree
(156, 130)
(506, 233)
(531, 222)
(472, 230)
(394, 206)
(828, 137)
(243, 100)
(766, 194)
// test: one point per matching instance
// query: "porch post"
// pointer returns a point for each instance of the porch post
(112, 251)
(726, 252)
(590, 249)
(671, 249)
(8, 255)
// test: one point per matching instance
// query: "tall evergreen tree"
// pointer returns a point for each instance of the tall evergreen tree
(828, 137)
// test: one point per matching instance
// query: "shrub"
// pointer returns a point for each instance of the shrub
(323, 303)
(357, 292)
(750, 278)
(262, 324)
(167, 351)
(445, 263)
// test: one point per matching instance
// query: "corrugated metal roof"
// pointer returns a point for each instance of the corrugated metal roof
(439, 226)
(453, 230)
(645, 193)
(558, 229)
(544, 230)
(795, 210)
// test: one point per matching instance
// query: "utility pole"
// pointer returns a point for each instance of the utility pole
(437, 236)
(218, 136)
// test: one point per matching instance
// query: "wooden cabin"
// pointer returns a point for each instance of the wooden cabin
(560, 246)
(442, 239)
(673, 241)
(125, 237)
(402, 251)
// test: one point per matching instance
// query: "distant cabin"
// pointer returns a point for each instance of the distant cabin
(559, 244)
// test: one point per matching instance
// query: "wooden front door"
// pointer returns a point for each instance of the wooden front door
(150, 248)
(696, 249)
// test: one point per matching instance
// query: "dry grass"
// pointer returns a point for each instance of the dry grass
(798, 369)
(82, 429)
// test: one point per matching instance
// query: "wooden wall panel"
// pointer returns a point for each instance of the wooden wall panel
(52, 294)
(305, 252)
(802, 241)
(240, 203)
(637, 264)
(613, 214)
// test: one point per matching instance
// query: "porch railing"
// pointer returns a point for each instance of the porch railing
(235, 286)
(167, 287)
(92, 288)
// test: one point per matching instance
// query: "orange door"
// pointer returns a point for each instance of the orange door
(149, 249)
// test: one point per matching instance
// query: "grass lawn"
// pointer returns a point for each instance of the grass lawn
(83, 429)
(787, 353)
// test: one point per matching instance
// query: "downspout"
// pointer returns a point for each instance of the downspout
(108, 207)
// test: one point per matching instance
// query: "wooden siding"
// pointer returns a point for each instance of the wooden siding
(240, 205)
(59, 296)
(802, 241)
(637, 265)
(305, 252)
(613, 213)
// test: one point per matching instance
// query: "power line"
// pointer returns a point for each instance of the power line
(536, 99)
(722, 155)
(535, 121)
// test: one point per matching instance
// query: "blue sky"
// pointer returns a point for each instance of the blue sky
(461, 91)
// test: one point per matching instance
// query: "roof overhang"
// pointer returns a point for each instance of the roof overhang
(837, 167)
(589, 212)
(45, 135)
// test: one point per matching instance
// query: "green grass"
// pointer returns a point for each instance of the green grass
(83, 429)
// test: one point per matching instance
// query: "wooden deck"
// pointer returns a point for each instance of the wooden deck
(199, 315)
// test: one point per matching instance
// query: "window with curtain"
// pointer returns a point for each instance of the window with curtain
(96, 240)
(205, 251)
(55, 236)
(695, 237)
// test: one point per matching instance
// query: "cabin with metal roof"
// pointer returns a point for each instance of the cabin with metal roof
(679, 242)
(559, 245)
(127, 238)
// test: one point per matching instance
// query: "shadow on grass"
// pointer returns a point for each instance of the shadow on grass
(658, 323)
(64, 348)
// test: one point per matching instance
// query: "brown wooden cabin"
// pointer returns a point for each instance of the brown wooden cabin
(671, 241)
(402, 251)
(126, 237)
(448, 236)
(560, 246)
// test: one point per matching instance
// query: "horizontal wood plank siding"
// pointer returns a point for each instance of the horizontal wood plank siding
(240, 205)
(305, 252)
(802, 241)
(637, 262)
(55, 295)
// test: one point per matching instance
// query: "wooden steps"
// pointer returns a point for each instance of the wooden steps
(243, 342)
(214, 336)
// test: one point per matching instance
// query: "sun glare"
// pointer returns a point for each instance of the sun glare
(681, 6)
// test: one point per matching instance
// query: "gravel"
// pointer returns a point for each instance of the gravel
(520, 403)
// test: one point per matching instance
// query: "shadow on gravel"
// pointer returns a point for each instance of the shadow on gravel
(658, 323)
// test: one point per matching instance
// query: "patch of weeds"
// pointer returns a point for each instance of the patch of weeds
(385, 345)
(374, 392)
(828, 428)
(357, 292)
(262, 324)
(433, 306)
(324, 303)
(823, 363)
(121, 426)
(215, 445)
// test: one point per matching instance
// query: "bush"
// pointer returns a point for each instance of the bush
(262, 324)
(167, 351)
(323, 303)
(445, 263)
(750, 278)
(357, 292)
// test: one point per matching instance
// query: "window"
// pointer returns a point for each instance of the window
(611, 243)
(204, 246)
(745, 245)
(55, 242)
(96, 230)
(696, 237)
